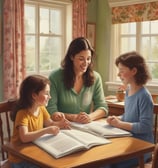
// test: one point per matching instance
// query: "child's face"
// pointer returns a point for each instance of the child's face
(126, 75)
(43, 96)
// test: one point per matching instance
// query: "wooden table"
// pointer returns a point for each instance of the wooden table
(120, 149)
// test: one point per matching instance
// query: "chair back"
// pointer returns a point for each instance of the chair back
(155, 157)
(5, 124)
(155, 98)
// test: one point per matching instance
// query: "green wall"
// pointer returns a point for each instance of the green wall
(92, 11)
(99, 13)
(1, 83)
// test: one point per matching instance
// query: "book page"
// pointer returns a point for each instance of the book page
(86, 138)
(101, 129)
(104, 129)
(59, 145)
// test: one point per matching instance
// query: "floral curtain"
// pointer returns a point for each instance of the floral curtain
(79, 17)
(135, 13)
(13, 47)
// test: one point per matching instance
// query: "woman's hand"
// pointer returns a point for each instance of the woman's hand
(63, 123)
(83, 118)
(57, 116)
(60, 120)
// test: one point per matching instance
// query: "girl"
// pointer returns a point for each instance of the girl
(138, 115)
(31, 119)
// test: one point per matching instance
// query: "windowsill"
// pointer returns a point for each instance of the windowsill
(113, 86)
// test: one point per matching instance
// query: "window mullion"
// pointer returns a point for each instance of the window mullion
(37, 39)
(138, 37)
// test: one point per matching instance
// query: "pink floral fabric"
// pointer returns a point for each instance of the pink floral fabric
(13, 48)
(135, 13)
(79, 18)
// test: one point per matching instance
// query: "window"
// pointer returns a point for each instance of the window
(47, 29)
(140, 36)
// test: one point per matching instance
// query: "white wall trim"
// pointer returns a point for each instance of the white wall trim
(115, 3)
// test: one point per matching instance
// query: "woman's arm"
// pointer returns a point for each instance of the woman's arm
(99, 104)
(97, 114)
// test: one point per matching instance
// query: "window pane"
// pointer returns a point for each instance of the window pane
(50, 53)
(30, 53)
(154, 48)
(128, 28)
(145, 47)
(56, 24)
(145, 27)
(154, 71)
(44, 20)
(29, 19)
(128, 44)
(154, 27)
(150, 48)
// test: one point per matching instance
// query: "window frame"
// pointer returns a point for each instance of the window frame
(113, 83)
(66, 6)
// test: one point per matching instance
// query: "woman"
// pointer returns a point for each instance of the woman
(76, 86)
(138, 115)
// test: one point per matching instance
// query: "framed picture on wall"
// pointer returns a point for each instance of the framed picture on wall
(91, 33)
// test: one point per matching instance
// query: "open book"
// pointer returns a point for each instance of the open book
(101, 129)
(68, 141)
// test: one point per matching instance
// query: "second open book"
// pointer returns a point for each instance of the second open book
(101, 129)
(80, 137)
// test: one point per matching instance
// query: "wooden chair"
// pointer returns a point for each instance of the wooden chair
(155, 100)
(155, 157)
(6, 125)
(154, 162)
